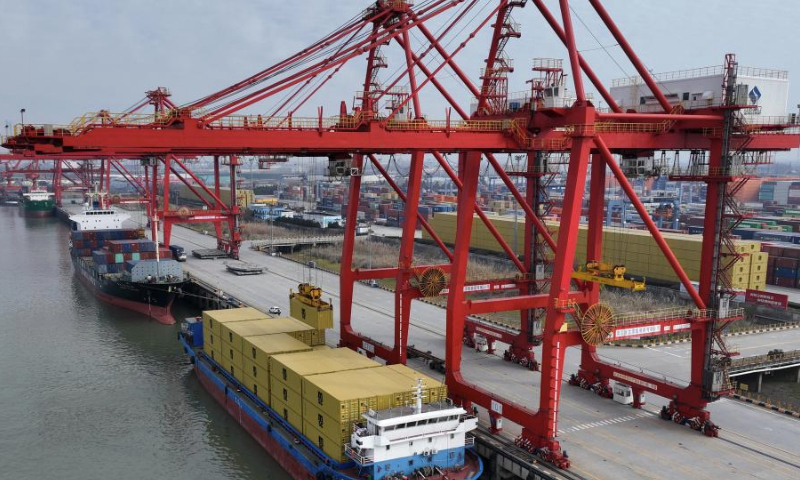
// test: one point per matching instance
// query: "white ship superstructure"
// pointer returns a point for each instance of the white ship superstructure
(427, 438)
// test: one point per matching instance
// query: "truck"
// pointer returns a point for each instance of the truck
(178, 253)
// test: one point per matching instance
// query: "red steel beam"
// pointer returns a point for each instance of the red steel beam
(448, 58)
(288, 62)
(347, 54)
(553, 345)
(626, 47)
(492, 56)
(572, 49)
(519, 302)
(201, 184)
(598, 84)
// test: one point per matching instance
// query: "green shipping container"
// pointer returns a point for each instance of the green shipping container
(119, 258)
(135, 256)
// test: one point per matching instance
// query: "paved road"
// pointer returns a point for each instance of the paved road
(604, 439)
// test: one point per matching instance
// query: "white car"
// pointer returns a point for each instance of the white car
(274, 310)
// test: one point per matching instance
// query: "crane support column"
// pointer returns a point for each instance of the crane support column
(402, 293)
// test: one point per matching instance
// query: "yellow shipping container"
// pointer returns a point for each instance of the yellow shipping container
(258, 388)
(289, 414)
(635, 248)
(318, 314)
(334, 448)
(291, 368)
(344, 395)
(234, 332)
(233, 356)
(327, 426)
(285, 393)
(213, 353)
(210, 340)
(227, 365)
(212, 319)
(436, 391)
(259, 348)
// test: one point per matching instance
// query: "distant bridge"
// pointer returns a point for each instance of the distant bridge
(293, 242)
(777, 360)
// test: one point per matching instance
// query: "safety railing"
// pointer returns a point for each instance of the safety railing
(702, 72)
(541, 169)
(459, 125)
(469, 440)
(774, 358)
(42, 130)
(512, 27)
(357, 457)
(548, 63)
(617, 127)
(773, 120)
(657, 316)
(259, 122)
(109, 119)
(706, 171)
(670, 314)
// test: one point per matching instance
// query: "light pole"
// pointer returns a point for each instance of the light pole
(22, 116)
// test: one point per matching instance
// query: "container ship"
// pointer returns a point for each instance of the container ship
(38, 203)
(328, 413)
(121, 266)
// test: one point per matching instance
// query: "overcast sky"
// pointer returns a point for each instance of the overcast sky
(64, 58)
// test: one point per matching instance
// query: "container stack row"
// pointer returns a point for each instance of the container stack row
(636, 249)
(783, 269)
(84, 243)
(115, 254)
(318, 390)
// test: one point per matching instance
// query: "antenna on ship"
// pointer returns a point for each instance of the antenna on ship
(155, 239)
(418, 396)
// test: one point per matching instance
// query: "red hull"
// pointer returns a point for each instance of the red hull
(162, 315)
(284, 459)
(38, 213)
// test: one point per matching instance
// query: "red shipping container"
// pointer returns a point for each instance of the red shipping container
(791, 252)
(771, 277)
(785, 282)
(785, 262)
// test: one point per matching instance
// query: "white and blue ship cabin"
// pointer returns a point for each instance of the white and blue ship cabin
(399, 441)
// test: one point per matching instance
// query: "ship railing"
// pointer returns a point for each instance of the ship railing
(469, 441)
(358, 457)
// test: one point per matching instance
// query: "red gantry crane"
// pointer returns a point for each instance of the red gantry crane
(544, 124)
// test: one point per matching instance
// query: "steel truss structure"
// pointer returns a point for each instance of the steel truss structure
(588, 137)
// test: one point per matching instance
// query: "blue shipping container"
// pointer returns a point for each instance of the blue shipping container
(786, 272)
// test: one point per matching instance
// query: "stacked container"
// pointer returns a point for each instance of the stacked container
(214, 319)
(333, 402)
(320, 391)
(287, 373)
(636, 249)
(783, 267)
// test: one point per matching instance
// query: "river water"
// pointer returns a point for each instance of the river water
(93, 391)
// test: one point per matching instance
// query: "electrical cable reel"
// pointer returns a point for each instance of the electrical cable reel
(597, 324)
(431, 281)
